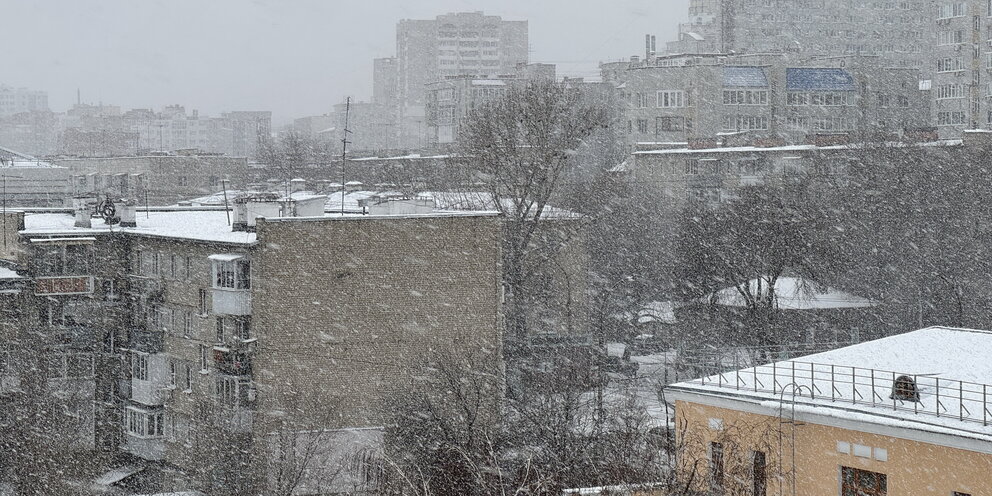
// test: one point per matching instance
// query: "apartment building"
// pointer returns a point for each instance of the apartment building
(900, 33)
(465, 43)
(451, 100)
(962, 66)
(903, 415)
(679, 98)
(240, 337)
(20, 100)
(27, 181)
(175, 177)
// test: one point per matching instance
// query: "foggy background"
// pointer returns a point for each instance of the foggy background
(294, 57)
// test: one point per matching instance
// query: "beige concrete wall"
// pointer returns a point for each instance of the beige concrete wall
(912, 468)
(348, 312)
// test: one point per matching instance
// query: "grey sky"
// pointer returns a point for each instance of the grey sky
(295, 57)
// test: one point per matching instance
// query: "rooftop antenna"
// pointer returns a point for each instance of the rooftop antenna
(344, 147)
(223, 183)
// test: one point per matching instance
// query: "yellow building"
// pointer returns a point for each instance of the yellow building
(901, 416)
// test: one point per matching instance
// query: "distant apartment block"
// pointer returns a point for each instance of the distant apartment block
(681, 98)
(104, 130)
(900, 33)
(19, 100)
(467, 43)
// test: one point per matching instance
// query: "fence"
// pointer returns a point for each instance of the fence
(925, 395)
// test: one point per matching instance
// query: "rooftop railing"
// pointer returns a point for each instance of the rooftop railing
(921, 394)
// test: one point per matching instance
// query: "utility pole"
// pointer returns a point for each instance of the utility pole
(344, 148)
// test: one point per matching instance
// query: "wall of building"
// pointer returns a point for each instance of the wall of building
(912, 468)
(355, 322)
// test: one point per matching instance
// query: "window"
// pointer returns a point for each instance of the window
(672, 99)
(716, 465)
(139, 367)
(857, 482)
(220, 329)
(204, 356)
(188, 383)
(758, 476)
(232, 274)
(797, 99)
(958, 493)
(745, 123)
(242, 328)
(642, 125)
(950, 37)
(232, 390)
(173, 266)
(949, 64)
(144, 423)
(950, 91)
(745, 97)
(950, 118)
(691, 166)
(172, 372)
(188, 321)
(189, 268)
(949, 10)
(203, 301)
(669, 124)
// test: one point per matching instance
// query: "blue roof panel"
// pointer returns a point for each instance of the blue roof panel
(744, 77)
(807, 79)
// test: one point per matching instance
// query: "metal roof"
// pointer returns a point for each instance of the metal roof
(821, 79)
(744, 77)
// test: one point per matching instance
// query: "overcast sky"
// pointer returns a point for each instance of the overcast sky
(294, 57)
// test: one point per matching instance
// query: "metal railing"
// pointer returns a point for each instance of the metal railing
(938, 397)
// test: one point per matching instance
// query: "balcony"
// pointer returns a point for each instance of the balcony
(63, 285)
(228, 301)
(232, 362)
(145, 428)
(150, 379)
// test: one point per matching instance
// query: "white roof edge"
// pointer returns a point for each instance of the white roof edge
(226, 257)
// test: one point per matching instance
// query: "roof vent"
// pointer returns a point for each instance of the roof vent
(904, 389)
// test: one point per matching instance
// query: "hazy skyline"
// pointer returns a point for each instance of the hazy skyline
(295, 58)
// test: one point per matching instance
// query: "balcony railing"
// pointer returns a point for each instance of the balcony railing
(63, 285)
(888, 390)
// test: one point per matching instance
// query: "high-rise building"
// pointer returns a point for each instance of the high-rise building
(467, 43)
(900, 32)
(962, 59)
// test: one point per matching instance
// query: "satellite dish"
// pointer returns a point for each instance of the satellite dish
(108, 212)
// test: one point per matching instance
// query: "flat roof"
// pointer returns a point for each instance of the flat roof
(792, 148)
(854, 384)
(210, 226)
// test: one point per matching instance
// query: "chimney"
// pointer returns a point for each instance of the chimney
(82, 212)
(128, 214)
(240, 215)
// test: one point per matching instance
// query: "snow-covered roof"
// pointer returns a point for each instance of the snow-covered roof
(744, 77)
(854, 384)
(657, 311)
(191, 225)
(792, 293)
(6, 273)
(818, 79)
(788, 148)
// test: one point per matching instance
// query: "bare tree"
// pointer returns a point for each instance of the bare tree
(523, 145)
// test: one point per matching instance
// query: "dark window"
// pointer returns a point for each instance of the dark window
(856, 482)
(956, 493)
(716, 464)
(758, 473)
